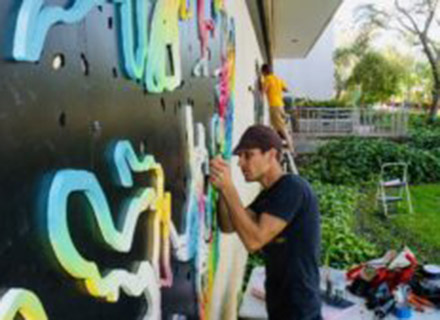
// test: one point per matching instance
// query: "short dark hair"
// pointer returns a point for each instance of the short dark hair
(259, 137)
(266, 68)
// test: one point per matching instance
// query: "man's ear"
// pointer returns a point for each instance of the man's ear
(273, 154)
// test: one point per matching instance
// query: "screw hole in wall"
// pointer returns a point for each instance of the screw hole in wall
(84, 64)
(114, 72)
(62, 119)
(58, 61)
(162, 103)
(110, 23)
(100, 8)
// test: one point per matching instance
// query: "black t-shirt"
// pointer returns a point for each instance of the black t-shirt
(292, 258)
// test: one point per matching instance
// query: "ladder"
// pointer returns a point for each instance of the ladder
(288, 161)
(287, 157)
(393, 186)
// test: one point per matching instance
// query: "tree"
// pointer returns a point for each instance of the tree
(408, 77)
(378, 78)
(345, 59)
(418, 22)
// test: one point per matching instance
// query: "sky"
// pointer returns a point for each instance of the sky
(345, 27)
(344, 20)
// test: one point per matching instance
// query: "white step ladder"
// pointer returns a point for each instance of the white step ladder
(288, 161)
(393, 186)
(287, 158)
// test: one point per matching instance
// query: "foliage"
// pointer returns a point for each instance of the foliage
(333, 103)
(415, 77)
(424, 135)
(378, 78)
(345, 58)
(422, 84)
(354, 160)
(417, 22)
(425, 139)
(341, 246)
(418, 122)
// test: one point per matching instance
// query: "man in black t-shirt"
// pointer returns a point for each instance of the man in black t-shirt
(283, 221)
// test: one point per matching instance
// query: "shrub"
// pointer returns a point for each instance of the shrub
(425, 139)
(341, 246)
(419, 121)
(333, 103)
(356, 160)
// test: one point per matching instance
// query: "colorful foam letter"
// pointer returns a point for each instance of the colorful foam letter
(150, 200)
(35, 19)
(21, 302)
(164, 48)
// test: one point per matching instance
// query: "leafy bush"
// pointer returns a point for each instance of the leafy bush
(333, 103)
(341, 246)
(356, 160)
(420, 121)
(425, 139)
(424, 135)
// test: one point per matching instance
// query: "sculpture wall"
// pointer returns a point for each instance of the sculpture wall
(109, 113)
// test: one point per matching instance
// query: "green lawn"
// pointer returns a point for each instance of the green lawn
(424, 224)
(419, 231)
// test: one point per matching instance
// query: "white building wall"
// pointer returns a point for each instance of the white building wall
(233, 255)
(311, 77)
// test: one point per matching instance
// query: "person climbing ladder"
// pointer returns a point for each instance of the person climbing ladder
(273, 87)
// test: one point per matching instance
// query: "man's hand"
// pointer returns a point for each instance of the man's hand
(220, 175)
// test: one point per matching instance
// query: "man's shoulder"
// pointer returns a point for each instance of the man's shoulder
(293, 180)
(271, 78)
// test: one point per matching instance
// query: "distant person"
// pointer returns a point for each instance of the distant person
(273, 87)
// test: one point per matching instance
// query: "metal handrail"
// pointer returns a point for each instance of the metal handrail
(352, 121)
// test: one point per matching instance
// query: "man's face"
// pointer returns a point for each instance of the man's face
(254, 163)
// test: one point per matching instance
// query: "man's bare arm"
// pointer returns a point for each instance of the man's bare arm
(224, 220)
(224, 217)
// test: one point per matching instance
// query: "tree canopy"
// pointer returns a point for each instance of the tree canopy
(377, 77)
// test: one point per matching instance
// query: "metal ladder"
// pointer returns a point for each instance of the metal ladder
(393, 190)
(287, 157)
(288, 161)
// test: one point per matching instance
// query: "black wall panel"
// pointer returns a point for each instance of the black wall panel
(67, 118)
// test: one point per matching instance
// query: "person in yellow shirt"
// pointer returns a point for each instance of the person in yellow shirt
(273, 88)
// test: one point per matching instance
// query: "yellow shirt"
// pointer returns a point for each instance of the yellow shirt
(273, 87)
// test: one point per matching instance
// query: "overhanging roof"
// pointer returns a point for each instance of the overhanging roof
(290, 28)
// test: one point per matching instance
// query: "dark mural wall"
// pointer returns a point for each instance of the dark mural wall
(67, 110)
